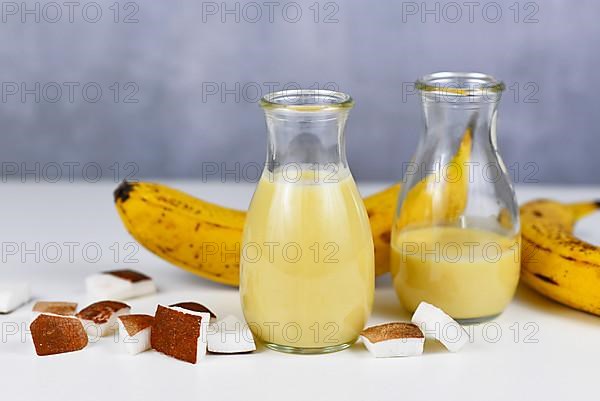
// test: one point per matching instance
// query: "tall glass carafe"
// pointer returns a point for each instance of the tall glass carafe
(307, 261)
(456, 235)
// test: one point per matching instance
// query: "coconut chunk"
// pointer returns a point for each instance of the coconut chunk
(55, 308)
(129, 275)
(230, 335)
(119, 284)
(180, 333)
(56, 334)
(13, 295)
(435, 323)
(393, 339)
(135, 323)
(100, 319)
(134, 332)
(194, 307)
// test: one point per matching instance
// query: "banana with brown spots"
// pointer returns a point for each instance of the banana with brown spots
(205, 239)
(554, 261)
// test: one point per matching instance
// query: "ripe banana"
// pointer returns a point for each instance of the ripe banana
(204, 238)
(380, 209)
(439, 198)
(553, 261)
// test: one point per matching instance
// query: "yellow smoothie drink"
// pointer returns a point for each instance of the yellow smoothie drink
(470, 273)
(312, 285)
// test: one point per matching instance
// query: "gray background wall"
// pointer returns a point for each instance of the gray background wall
(178, 52)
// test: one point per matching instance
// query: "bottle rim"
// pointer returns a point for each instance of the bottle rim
(306, 100)
(460, 84)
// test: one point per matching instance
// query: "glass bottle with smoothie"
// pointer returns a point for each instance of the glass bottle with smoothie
(456, 236)
(307, 262)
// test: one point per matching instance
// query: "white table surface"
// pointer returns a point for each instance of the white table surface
(554, 357)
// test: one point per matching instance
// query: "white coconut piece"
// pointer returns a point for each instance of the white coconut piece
(100, 319)
(119, 284)
(230, 335)
(180, 333)
(204, 324)
(57, 334)
(393, 340)
(195, 307)
(13, 295)
(55, 308)
(436, 323)
(134, 332)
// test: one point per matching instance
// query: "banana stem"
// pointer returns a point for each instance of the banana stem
(581, 209)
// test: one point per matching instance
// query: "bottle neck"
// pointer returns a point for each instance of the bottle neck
(448, 122)
(307, 139)
(459, 102)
